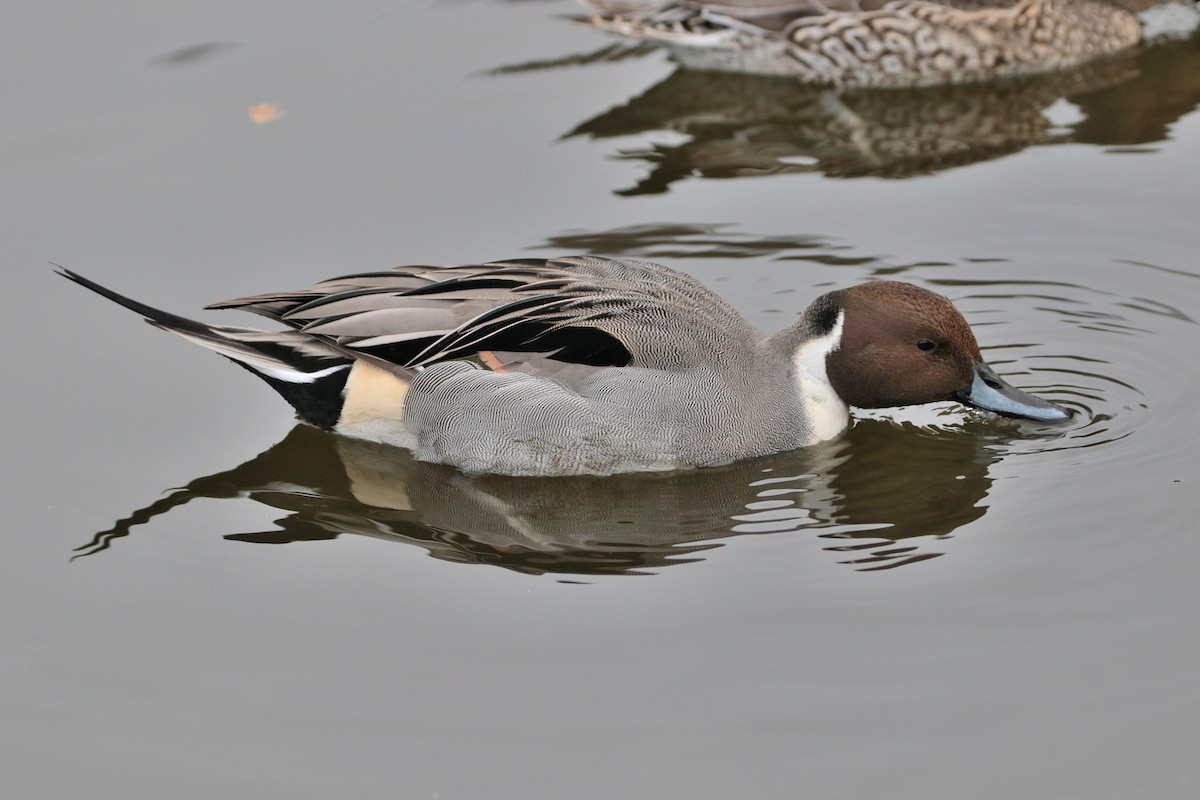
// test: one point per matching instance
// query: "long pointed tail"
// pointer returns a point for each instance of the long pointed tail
(309, 373)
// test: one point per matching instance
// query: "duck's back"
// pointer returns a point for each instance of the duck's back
(885, 42)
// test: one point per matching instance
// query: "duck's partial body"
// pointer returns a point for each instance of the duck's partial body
(878, 43)
(593, 366)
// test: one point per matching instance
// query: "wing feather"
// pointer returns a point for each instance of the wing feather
(586, 310)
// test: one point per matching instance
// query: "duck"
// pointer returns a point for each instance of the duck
(877, 43)
(588, 365)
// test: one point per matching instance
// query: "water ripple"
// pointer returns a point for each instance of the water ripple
(1112, 366)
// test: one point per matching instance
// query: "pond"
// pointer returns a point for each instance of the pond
(201, 599)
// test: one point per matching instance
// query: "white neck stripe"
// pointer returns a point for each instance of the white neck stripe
(826, 412)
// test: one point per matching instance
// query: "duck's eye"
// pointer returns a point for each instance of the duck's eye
(925, 344)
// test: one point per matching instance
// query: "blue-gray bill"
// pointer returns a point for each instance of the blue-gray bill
(990, 392)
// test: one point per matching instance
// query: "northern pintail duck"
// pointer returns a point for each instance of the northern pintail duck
(590, 365)
(877, 42)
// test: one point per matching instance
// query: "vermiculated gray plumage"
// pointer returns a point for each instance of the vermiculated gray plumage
(678, 377)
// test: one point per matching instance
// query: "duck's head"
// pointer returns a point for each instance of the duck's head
(902, 345)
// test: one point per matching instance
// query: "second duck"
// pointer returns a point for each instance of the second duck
(878, 43)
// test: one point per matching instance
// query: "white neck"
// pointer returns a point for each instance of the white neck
(827, 413)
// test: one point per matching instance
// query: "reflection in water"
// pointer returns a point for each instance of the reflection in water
(186, 56)
(1139, 111)
(697, 240)
(880, 494)
(739, 126)
(604, 55)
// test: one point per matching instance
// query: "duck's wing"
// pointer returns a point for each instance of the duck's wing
(581, 310)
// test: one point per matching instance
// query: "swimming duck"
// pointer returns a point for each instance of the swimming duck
(589, 365)
(877, 42)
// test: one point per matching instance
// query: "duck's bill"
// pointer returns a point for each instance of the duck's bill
(992, 393)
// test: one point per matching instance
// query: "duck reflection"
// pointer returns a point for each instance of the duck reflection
(739, 125)
(882, 495)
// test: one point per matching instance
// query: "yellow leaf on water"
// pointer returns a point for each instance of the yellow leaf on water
(262, 113)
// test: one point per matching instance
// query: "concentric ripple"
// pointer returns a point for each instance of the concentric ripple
(1105, 354)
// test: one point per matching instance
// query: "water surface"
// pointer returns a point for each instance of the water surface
(200, 599)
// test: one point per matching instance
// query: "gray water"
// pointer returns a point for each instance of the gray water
(199, 600)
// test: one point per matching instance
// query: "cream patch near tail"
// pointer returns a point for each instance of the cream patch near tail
(373, 406)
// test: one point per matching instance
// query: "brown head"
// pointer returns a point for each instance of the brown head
(904, 345)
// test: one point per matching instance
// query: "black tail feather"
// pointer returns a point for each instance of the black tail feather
(296, 365)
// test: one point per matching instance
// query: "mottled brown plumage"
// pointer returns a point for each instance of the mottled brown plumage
(881, 42)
